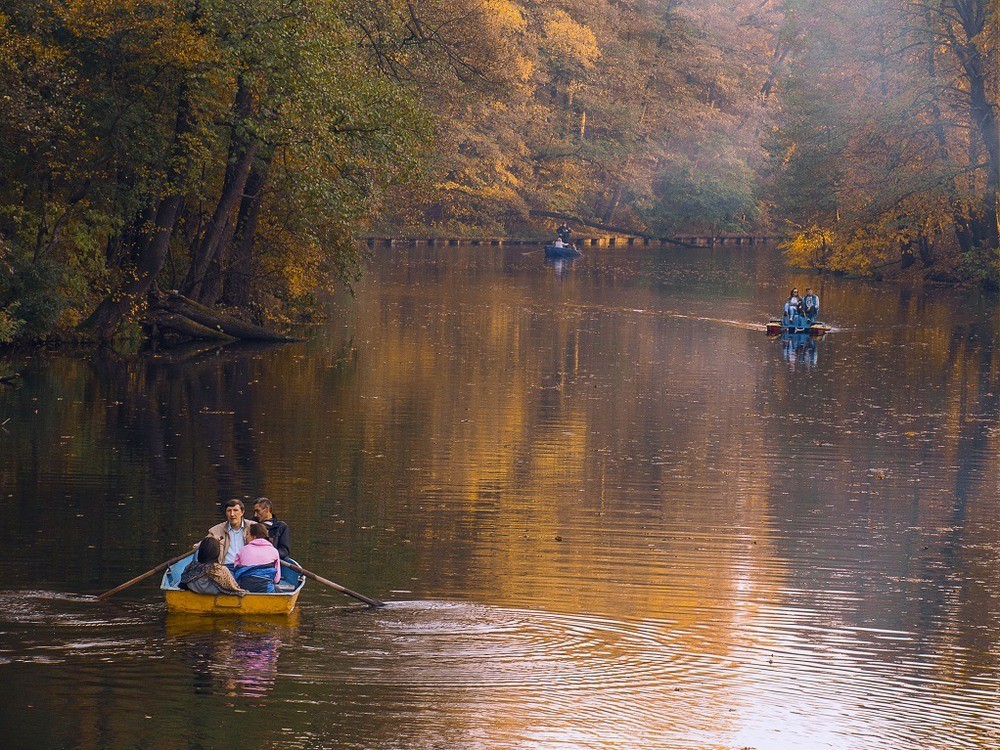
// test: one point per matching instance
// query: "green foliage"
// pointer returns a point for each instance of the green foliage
(10, 324)
(468, 116)
(720, 199)
(31, 299)
(982, 264)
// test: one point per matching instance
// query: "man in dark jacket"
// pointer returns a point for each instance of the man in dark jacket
(276, 530)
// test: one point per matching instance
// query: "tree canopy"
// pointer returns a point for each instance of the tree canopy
(234, 150)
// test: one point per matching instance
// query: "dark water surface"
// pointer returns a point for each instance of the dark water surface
(606, 509)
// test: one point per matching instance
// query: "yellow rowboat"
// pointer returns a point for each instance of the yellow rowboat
(281, 602)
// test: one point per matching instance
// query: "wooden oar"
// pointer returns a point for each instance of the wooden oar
(144, 576)
(332, 585)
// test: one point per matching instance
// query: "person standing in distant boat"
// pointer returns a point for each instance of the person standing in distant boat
(277, 530)
(564, 233)
(233, 533)
(810, 304)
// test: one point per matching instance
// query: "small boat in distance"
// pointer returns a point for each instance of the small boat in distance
(796, 323)
(562, 251)
(281, 602)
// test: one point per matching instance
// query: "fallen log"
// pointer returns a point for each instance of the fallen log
(163, 321)
(195, 320)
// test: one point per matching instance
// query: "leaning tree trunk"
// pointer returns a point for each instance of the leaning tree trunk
(242, 150)
(211, 288)
(241, 266)
(151, 247)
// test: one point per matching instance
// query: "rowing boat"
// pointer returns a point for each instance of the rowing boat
(565, 251)
(280, 602)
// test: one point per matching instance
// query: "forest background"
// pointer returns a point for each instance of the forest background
(235, 150)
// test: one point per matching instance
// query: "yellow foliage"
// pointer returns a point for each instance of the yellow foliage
(809, 248)
(571, 41)
(506, 15)
(147, 29)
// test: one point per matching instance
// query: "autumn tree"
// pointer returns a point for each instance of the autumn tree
(888, 145)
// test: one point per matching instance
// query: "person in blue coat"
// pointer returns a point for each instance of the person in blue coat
(810, 305)
(277, 530)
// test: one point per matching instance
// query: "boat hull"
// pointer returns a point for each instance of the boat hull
(551, 251)
(188, 602)
(776, 327)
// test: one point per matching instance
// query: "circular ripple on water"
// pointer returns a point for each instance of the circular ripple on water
(439, 645)
(568, 679)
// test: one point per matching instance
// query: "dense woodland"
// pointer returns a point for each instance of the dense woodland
(193, 167)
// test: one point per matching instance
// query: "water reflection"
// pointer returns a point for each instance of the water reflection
(560, 266)
(800, 349)
(234, 656)
(614, 501)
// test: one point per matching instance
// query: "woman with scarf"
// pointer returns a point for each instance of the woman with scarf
(206, 575)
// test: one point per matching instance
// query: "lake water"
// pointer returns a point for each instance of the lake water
(605, 509)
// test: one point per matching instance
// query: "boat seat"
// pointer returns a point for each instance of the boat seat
(284, 588)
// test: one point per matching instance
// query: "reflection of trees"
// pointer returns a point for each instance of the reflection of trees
(514, 415)
(150, 446)
(487, 411)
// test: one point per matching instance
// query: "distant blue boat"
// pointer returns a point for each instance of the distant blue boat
(796, 323)
(567, 251)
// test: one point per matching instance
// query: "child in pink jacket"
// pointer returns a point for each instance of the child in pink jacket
(256, 554)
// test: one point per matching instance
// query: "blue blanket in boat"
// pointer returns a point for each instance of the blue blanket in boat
(258, 579)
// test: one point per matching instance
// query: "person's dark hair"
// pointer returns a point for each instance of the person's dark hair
(234, 502)
(263, 502)
(208, 550)
(258, 531)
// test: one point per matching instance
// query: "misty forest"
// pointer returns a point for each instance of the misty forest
(178, 163)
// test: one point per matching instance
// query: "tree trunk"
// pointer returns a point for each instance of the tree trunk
(150, 248)
(609, 212)
(211, 288)
(242, 150)
(163, 321)
(973, 14)
(239, 274)
(179, 305)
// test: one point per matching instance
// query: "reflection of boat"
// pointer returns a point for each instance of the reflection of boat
(188, 625)
(560, 266)
(797, 323)
(800, 347)
(566, 251)
(281, 601)
(231, 655)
